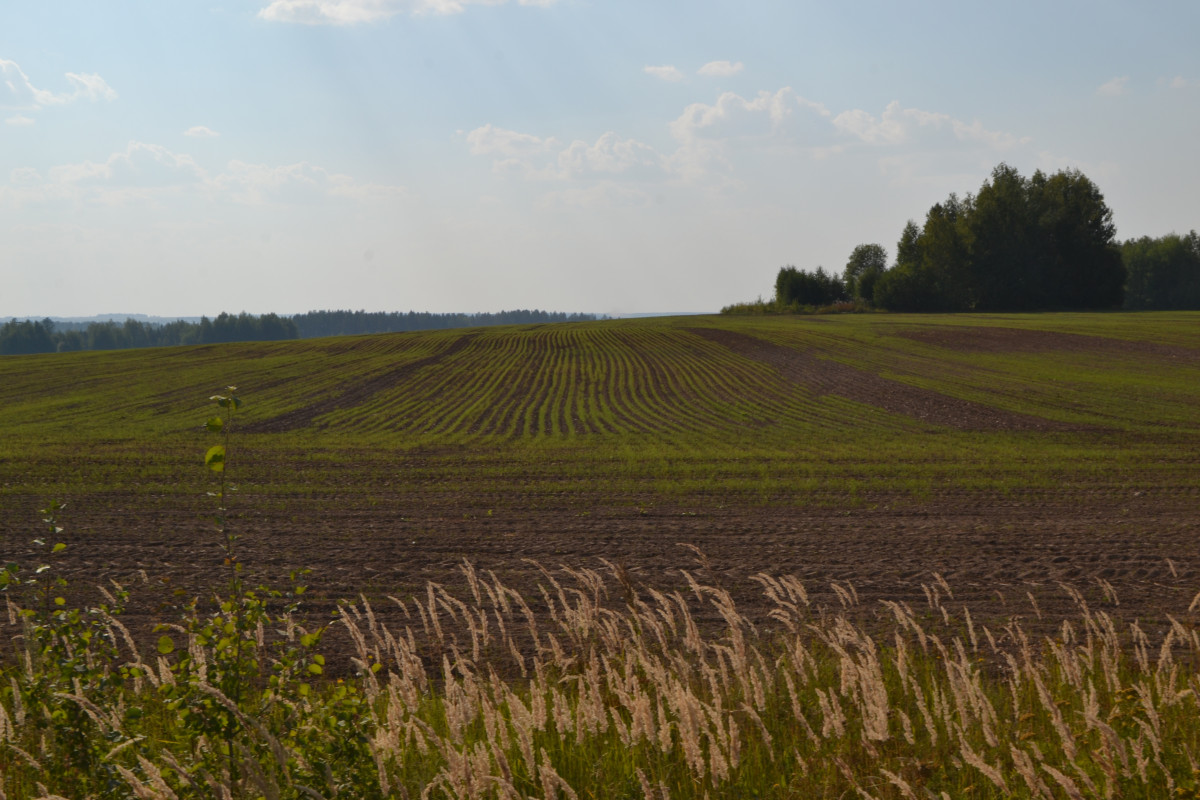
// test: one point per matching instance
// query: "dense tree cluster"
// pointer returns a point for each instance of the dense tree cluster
(867, 263)
(795, 287)
(22, 337)
(1163, 273)
(27, 336)
(1046, 242)
(1020, 244)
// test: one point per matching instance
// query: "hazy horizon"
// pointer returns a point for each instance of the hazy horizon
(156, 318)
(285, 155)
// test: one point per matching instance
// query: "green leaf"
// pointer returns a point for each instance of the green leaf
(315, 669)
(58, 548)
(309, 639)
(216, 424)
(60, 601)
(303, 689)
(320, 659)
(165, 645)
(214, 459)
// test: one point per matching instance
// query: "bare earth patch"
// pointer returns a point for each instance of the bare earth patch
(994, 552)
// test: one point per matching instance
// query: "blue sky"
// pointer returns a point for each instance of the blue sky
(186, 158)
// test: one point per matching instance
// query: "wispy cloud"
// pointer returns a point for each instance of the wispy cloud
(898, 125)
(1115, 87)
(18, 92)
(666, 72)
(150, 172)
(721, 69)
(201, 132)
(712, 139)
(537, 158)
(19, 120)
(355, 12)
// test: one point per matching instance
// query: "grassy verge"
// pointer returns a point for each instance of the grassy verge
(597, 688)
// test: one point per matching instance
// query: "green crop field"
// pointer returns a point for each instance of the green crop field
(730, 521)
(665, 408)
(817, 443)
(719, 425)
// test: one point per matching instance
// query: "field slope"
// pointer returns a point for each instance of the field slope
(1006, 452)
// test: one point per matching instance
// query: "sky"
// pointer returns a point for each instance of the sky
(609, 156)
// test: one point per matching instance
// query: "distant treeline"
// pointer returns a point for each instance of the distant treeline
(24, 337)
(315, 324)
(1020, 244)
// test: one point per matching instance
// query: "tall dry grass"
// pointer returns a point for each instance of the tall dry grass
(603, 688)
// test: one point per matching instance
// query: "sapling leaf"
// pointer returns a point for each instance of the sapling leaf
(215, 424)
(60, 601)
(58, 548)
(214, 459)
(165, 645)
(315, 669)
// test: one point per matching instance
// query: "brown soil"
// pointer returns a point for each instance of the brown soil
(824, 376)
(993, 552)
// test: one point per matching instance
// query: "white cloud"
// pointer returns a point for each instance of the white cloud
(151, 172)
(329, 12)
(706, 133)
(90, 87)
(720, 69)
(354, 12)
(1180, 82)
(490, 140)
(610, 154)
(666, 72)
(201, 132)
(997, 140)
(1115, 87)
(716, 143)
(19, 120)
(732, 110)
(18, 92)
(898, 125)
(140, 165)
(538, 158)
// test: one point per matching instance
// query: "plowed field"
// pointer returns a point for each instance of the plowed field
(1001, 454)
